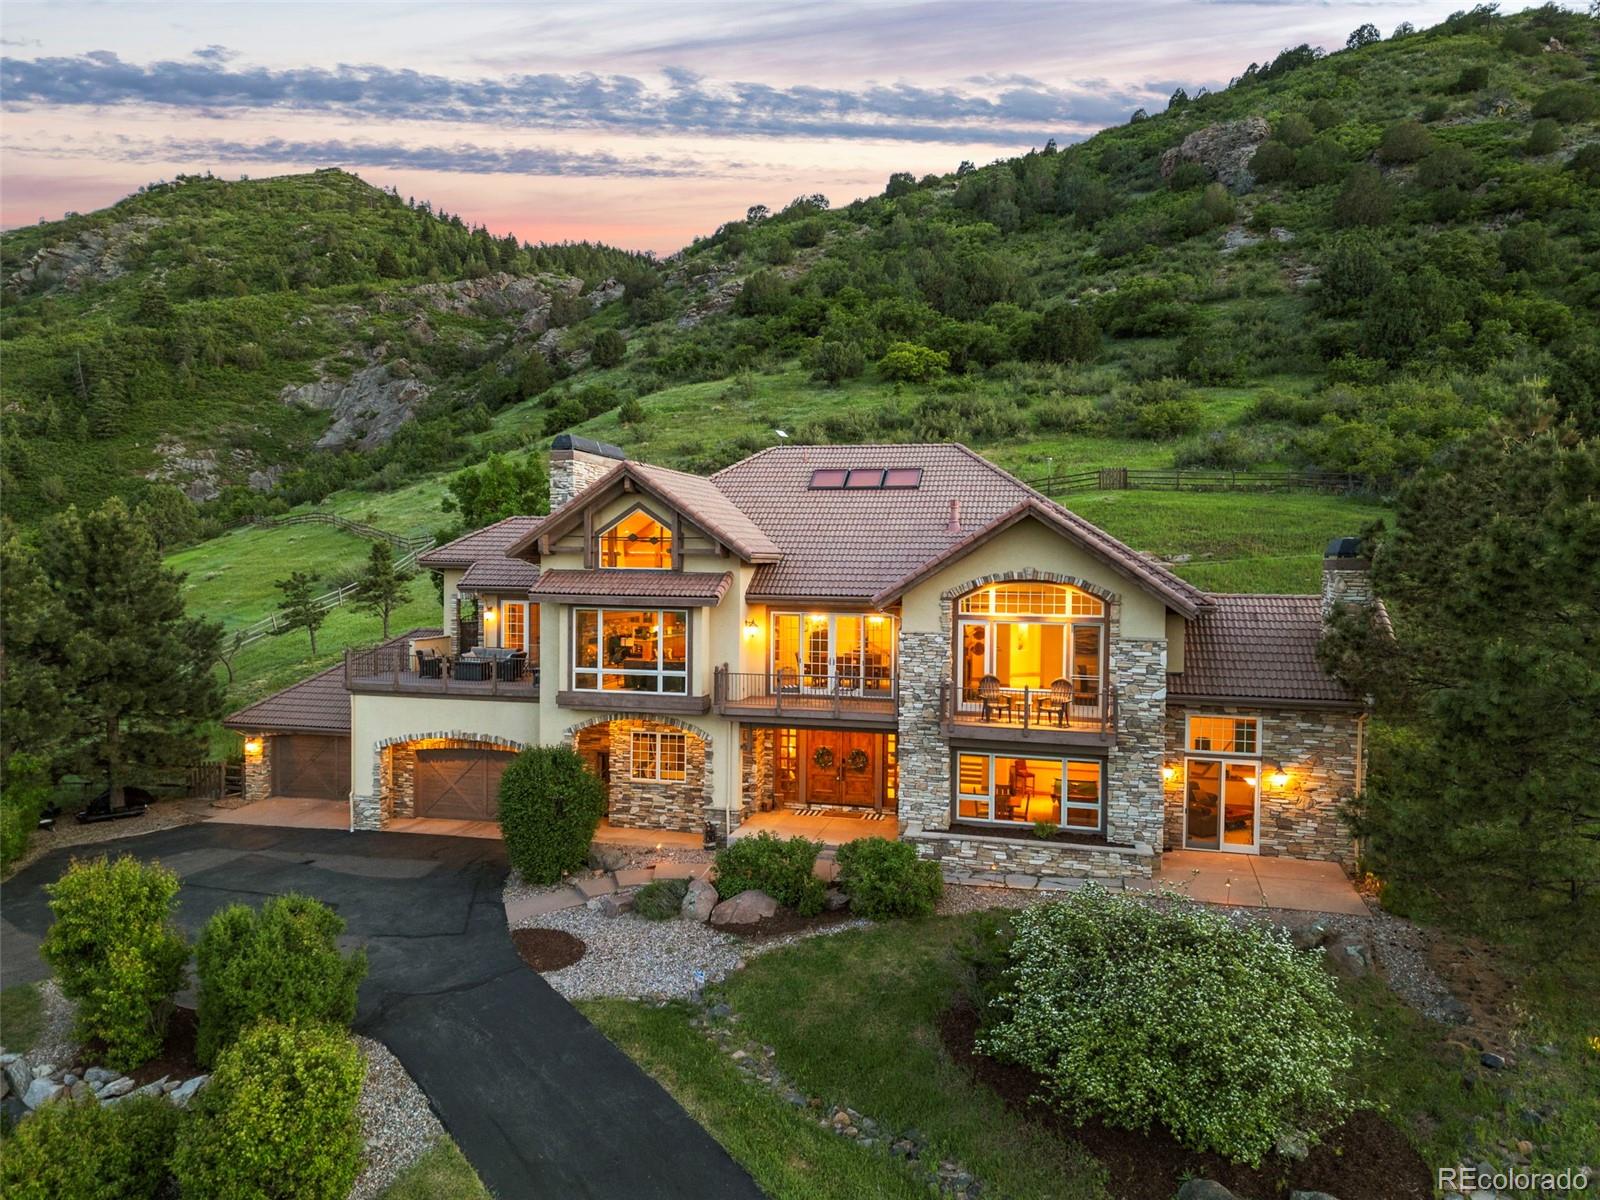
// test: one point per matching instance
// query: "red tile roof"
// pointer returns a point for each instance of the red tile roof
(499, 574)
(859, 544)
(490, 541)
(316, 705)
(705, 587)
(1257, 648)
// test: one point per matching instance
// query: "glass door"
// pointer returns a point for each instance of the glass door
(1221, 807)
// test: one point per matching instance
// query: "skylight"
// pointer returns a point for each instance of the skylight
(865, 478)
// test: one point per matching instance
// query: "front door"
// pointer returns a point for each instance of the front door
(1220, 804)
(843, 768)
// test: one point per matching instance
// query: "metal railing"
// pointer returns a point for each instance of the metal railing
(1087, 709)
(394, 668)
(780, 692)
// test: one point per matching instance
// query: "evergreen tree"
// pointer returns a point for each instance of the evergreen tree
(134, 670)
(298, 607)
(382, 587)
(31, 623)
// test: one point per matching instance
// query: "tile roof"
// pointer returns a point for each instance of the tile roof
(316, 705)
(857, 544)
(490, 541)
(499, 574)
(1255, 647)
(693, 495)
(706, 586)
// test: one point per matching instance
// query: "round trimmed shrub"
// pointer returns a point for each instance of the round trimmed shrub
(282, 962)
(886, 879)
(277, 1119)
(1139, 1015)
(117, 951)
(91, 1151)
(550, 806)
(661, 900)
(780, 867)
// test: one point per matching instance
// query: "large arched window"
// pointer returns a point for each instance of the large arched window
(1017, 639)
(636, 542)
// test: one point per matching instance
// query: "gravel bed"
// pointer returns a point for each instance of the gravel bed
(163, 814)
(959, 898)
(55, 1043)
(397, 1126)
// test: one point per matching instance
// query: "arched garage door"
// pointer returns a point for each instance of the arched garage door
(315, 768)
(460, 785)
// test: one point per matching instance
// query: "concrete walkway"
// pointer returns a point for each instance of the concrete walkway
(541, 1103)
(831, 828)
(1258, 882)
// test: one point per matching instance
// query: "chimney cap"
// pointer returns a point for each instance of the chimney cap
(1343, 547)
(567, 441)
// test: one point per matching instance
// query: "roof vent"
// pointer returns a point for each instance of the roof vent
(954, 524)
(568, 441)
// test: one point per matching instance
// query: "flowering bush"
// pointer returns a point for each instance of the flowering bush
(1140, 1015)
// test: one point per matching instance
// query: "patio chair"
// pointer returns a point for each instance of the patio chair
(1057, 702)
(430, 664)
(509, 668)
(787, 679)
(993, 697)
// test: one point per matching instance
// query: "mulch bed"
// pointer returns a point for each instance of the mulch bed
(547, 949)
(788, 921)
(1366, 1158)
(175, 1059)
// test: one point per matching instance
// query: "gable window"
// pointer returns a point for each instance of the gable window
(1020, 639)
(637, 650)
(659, 757)
(637, 542)
(1005, 789)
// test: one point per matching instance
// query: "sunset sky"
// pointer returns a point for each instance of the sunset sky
(640, 124)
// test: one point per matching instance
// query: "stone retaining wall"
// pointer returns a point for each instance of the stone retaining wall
(978, 858)
(682, 805)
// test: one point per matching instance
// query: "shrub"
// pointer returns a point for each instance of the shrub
(631, 412)
(661, 900)
(91, 1151)
(1365, 199)
(1323, 161)
(886, 879)
(115, 950)
(1187, 176)
(1568, 102)
(277, 1119)
(1471, 79)
(835, 361)
(1294, 130)
(1224, 1034)
(550, 806)
(1324, 114)
(912, 363)
(1160, 409)
(282, 962)
(1272, 161)
(23, 794)
(608, 349)
(1404, 142)
(1543, 138)
(780, 867)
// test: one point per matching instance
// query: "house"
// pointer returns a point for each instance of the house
(902, 632)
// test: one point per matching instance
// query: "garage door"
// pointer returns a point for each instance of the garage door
(317, 768)
(460, 784)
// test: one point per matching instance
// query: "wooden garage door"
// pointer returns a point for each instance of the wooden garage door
(461, 785)
(317, 768)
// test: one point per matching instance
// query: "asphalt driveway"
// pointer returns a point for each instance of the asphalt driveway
(542, 1104)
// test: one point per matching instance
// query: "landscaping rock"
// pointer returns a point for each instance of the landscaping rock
(153, 1089)
(120, 1086)
(1495, 1062)
(699, 901)
(613, 905)
(833, 900)
(606, 858)
(41, 1091)
(1292, 1144)
(1204, 1189)
(747, 908)
(185, 1092)
(99, 1075)
(1309, 936)
(1349, 956)
(44, 1070)
(20, 1072)
(1301, 1195)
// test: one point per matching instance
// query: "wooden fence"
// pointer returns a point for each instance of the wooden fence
(1178, 479)
(360, 528)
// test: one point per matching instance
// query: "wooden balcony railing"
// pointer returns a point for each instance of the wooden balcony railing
(399, 669)
(1087, 708)
(773, 694)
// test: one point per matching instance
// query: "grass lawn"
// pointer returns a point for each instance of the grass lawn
(21, 1016)
(853, 1020)
(443, 1173)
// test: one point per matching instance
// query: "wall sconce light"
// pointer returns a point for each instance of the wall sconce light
(1278, 777)
(1169, 773)
(875, 619)
(751, 629)
(252, 745)
(488, 613)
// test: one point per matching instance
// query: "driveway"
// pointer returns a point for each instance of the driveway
(539, 1100)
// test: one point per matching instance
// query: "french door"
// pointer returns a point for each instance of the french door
(1222, 805)
(827, 652)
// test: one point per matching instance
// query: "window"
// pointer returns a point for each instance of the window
(630, 650)
(860, 478)
(1224, 735)
(864, 477)
(1033, 636)
(659, 757)
(1005, 789)
(828, 478)
(514, 630)
(902, 477)
(851, 652)
(638, 542)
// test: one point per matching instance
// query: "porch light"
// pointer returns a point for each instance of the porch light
(1278, 777)
(1169, 773)
(488, 612)
(751, 629)
(252, 745)
(875, 619)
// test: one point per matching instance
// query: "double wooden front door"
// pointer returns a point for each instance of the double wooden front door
(842, 768)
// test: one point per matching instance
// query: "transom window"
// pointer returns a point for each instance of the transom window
(637, 542)
(1021, 638)
(659, 757)
(1065, 792)
(616, 649)
(1224, 735)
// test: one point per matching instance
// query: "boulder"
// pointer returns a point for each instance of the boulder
(41, 1091)
(613, 905)
(1349, 956)
(1204, 1189)
(157, 1088)
(185, 1091)
(746, 908)
(833, 900)
(605, 293)
(1225, 149)
(699, 901)
(20, 1072)
(1291, 1143)
(120, 1086)
(606, 858)
(1309, 936)
(99, 1075)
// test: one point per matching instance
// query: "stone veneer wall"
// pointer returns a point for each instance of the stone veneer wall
(757, 771)
(573, 470)
(963, 857)
(923, 755)
(1318, 748)
(1138, 670)
(647, 804)
(258, 769)
(394, 773)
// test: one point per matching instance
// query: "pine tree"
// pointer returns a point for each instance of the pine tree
(134, 670)
(381, 588)
(298, 606)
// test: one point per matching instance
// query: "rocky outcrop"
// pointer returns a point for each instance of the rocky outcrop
(605, 293)
(525, 297)
(367, 408)
(1225, 149)
(93, 256)
(197, 472)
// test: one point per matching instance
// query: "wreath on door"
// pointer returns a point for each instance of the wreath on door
(823, 757)
(856, 760)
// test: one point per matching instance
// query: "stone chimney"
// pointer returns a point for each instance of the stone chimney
(575, 463)
(1346, 576)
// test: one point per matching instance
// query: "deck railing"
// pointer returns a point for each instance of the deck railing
(1090, 708)
(782, 692)
(396, 669)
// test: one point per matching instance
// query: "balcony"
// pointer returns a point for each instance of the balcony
(427, 669)
(789, 698)
(1083, 714)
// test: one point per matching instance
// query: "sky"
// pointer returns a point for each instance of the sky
(638, 124)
